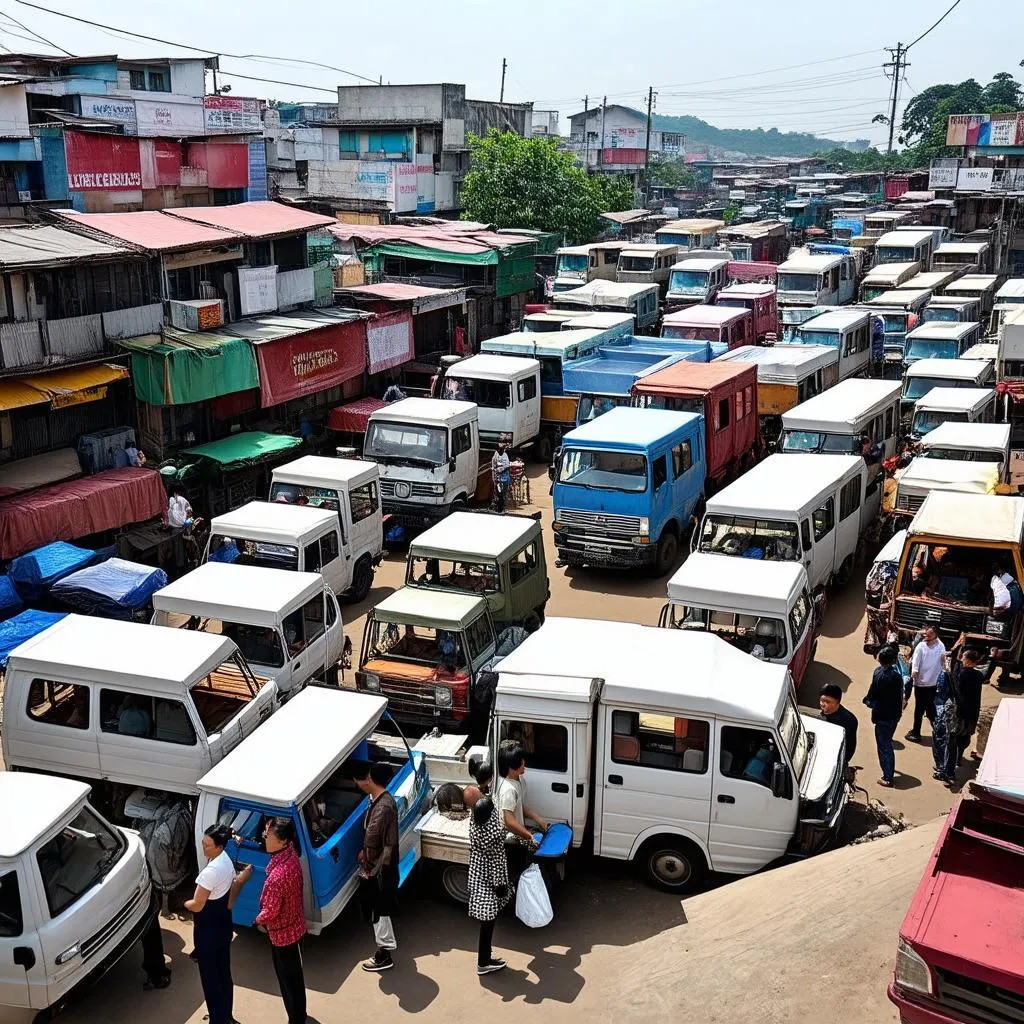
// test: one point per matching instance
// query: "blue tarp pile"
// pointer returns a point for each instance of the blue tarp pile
(37, 571)
(114, 589)
(10, 602)
(23, 627)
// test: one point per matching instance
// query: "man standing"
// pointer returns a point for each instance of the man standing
(378, 861)
(926, 666)
(501, 474)
(830, 701)
(960, 726)
(885, 698)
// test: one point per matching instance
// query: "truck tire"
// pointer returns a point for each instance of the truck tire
(672, 864)
(455, 883)
(362, 579)
(543, 450)
(845, 572)
(665, 555)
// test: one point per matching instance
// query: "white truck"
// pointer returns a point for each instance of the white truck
(428, 451)
(75, 893)
(679, 772)
(286, 624)
(351, 488)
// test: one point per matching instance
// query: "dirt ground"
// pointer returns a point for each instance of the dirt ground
(811, 941)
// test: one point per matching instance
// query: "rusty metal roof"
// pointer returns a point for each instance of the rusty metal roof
(151, 230)
(43, 245)
(256, 219)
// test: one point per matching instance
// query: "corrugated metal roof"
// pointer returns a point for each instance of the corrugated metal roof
(256, 219)
(455, 238)
(273, 327)
(150, 229)
(44, 245)
(396, 292)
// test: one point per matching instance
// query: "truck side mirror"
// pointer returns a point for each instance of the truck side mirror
(551, 473)
(452, 464)
(780, 780)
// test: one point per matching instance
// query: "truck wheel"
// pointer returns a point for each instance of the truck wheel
(455, 882)
(362, 579)
(672, 864)
(845, 571)
(665, 556)
(543, 450)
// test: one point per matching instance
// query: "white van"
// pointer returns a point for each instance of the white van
(506, 390)
(951, 309)
(929, 280)
(129, 704)
(919, 378)
(837, 421)
(952, 405)
(970, 442)
(350, 487)
(923, 476)
(639, 300)
(975, 286)
(646, 264)
(286, 624)
(912, 246)
(972, 257)
(795, 508)
(696, 280)
(940, 341)
(885, 277)
(806, 280)
(75, 893)
(848, 331)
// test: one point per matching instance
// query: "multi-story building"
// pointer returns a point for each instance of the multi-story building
(613, 138)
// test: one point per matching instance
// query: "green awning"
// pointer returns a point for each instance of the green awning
(182, 367)
(422, 252)
(241, 449)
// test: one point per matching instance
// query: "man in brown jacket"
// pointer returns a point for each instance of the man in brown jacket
(378, 862)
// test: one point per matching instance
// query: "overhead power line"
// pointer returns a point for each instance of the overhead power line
(36, 35)
(936, 25)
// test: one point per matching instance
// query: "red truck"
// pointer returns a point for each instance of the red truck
(725, 394)
(761, 300)
(960, 956)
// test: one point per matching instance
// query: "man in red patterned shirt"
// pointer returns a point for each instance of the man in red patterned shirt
(282, 916)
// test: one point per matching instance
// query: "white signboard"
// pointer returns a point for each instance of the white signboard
(406, 187)
(257, 287)
(230, 114)
(389, 344)
(974, 179)
(164, 118)
(942, 174)
(352, 179)
(110, 108)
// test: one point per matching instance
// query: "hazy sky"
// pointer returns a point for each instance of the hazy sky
(718, 61)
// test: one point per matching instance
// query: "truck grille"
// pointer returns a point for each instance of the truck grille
(597, 524)
(96, 941)
(909, 502)
(416, 490)
(987, 1004)
(911, 614)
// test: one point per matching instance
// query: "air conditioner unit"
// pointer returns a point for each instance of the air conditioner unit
(197, 314)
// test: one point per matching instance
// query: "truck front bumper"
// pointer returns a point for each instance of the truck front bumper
(574, 549)
(412, 514)
(913, 1012)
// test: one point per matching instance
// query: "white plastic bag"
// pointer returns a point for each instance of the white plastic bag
(533, 907)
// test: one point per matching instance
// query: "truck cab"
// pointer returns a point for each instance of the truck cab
(940, 341)
(428, 451)
(286, 624)
(848, 331)
(300, 766)
(641, 301)
(498, 557)
(952, 405)
(822, 280)
(924, 375)
(350, 487)
(427, 651)
(75, 892)
(763, 608)
(696, 281)
(723, 326)
(950, 310)
(626, 488)
(970, 442)
(761, 300)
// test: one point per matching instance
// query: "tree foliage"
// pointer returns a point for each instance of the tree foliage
(752, 141)
(527, 183)
(672, 174)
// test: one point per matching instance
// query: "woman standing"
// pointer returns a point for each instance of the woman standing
(282, 915)
(489, 889)
(211, 907)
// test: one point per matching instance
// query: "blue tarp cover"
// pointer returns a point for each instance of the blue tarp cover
(10, 602)
(23, 627)
(33, 573)
(615, 369)
(114, 588)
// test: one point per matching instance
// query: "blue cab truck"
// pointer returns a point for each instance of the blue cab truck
(627, 487)
(604, 379)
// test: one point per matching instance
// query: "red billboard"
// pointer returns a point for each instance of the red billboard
(303, 364)
(102, 162)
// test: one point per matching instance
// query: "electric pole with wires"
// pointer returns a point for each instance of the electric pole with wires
(647, 144)
(898, 64)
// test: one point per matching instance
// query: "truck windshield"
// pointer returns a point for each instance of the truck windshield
(406, 442)
(894, 254)
(794, 736)
(488, 394)
(453, 574)
(926, 420)
(743, 631)
(77, 858)
(688, 282)
(605, 470)
(816, 441)
(806, 337)
(675, 403)
(930, 348)
(918, 387)
(940, 314)
(305, 494)
(751, 538)
(417, 644)
(798, 282)
(637, 264)
(736, 303)
(682, 332)
(573, 263)
(962, 454)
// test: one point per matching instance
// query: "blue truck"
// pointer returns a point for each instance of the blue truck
(603, 380)
(627, 487)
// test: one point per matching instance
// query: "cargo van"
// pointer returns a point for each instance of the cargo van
(578, 264)
(351, 488)
(886, 277)
(848, 331)
(969, 442)
(950, 309)
(839, 421)
(880, 222)
(952, 405)
(286, 624)
(940, 341)
(970, 257)
(925, 374)
(914, 246)
(817, 280)
(717, 324)
(975, 286)
(126, 704)
(696, 280)
(810, 509)
(641, 301)
(695, 233)
(647, 264)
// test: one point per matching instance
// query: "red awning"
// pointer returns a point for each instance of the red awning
(79, 508)
(353, 416)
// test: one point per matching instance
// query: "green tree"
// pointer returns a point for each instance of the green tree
(1003, 91)
(527, 183)
(672, 174)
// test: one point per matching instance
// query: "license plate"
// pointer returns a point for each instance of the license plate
(598, 549)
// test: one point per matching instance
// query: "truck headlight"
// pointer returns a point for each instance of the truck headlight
(995, 627)
(645, 526)
(371, 681)
(443, 696)
(69, 954)
(912, 972)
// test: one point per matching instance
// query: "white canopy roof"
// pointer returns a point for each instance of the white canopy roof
(970, 517)
(32, 805)
(700, 263)
(435, 411)
(993, 437)
(949, 369)
(294, 751)
(411, 605)
(749, 585)
(1012, 289)
(648, 667)
(786, 364)
(892, 550)
(809, 264)
(838, 319)
(953, 399)
(886, 272)
(843, 404)
(492, 367)
(942, 330)
(473, 535)
(322, 471)
(277, 521)
(949, 475)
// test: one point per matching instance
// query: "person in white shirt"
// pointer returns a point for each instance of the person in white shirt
(1000, 592)
(926, 665)
(179, 511)
(508, 795)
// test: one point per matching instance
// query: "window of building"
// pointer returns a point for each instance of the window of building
(849, 498)
(546, 745)
(59, 703)
(824, 519)
(348, 142)
(12, 923)
(462, 439)
(660, 741)
(145, 717)
(527, 389)
(748, 754)
(363, 501)
(159, 81)
(524, 563)
(137, 80)
(682, 459)
(723, 415)
(659, 471)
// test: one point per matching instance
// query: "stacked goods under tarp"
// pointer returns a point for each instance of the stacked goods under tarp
(27, 624)
(115, 589)
(37, 571)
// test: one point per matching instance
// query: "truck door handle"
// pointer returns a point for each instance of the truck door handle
(724, 798)
(24, 956)
(297, 664)
(579, 789)
(615, 780)
(559, 787)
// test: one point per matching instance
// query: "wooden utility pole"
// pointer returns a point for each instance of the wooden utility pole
(586, 133)
(600, 142)
(647, 143)
(504, 65)
(898, 65)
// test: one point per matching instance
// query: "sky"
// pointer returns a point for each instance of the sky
(797, 65)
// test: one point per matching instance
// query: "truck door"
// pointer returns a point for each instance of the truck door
(661, 494)
(527, 421)
(305, 633)
(549, 783)
(22, 971)
(750, 827)
(823, 536)
(330, 556)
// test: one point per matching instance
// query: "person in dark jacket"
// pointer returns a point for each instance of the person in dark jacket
(378, 862)
(960, 725)
(885, 698)
(830, 700)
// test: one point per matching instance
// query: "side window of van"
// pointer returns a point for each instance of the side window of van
(660, 741)
(659, 472)
(890, 421)
(723, 418)
(59, 703)
(462, 439)
(748, 754)
(311, 561)
(524, 562)
(136, 714)
(546, 745)
(805, 534)
(363, 501)
(304, 625)
(313, 618)
(527, 389)
(849, 498)
(824, 519)
(12, 923)
(332, 610)
(682, 459)
(329, 547)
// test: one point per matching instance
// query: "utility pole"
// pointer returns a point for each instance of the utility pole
(898, 65)
(586, 133)
(600, 144)
(647, 143)
(504, 65)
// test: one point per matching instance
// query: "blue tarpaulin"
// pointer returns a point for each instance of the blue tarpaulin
(615, 369)
(23, 627)
(34, 573)
(114, 589)
(10, 602)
